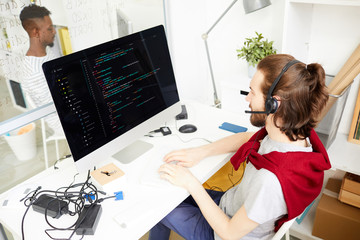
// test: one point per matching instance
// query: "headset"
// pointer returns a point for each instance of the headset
(271, 104)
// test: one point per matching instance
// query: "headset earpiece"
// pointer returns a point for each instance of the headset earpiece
(271, 105)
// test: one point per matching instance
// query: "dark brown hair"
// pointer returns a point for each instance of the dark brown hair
(302, 92)
(31, 12)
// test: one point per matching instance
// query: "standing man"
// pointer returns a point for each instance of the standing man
(37, 23)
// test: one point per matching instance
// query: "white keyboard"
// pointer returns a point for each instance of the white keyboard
(151, 176)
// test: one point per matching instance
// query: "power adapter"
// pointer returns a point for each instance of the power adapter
(88, 220)
(165, 131)
(53, 206)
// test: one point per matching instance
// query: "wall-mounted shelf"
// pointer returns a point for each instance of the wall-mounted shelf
(344, 155)
(317, 31)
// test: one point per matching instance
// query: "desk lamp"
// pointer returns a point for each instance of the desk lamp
(249, 6)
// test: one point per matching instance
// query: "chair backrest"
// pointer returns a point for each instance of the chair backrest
(283, 230)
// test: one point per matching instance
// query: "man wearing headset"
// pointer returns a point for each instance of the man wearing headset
(285, 160)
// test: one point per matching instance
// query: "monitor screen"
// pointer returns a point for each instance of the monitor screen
(17, 95)
(107, 91)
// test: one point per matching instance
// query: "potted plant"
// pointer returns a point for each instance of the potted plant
(254, 50)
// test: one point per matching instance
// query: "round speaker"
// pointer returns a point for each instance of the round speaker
(271, 105)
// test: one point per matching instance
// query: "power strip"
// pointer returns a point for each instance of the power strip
(53, 206)
(88, 220)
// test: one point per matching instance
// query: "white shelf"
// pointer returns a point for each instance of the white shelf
(311, 28)
(329, 2)
(344, 155)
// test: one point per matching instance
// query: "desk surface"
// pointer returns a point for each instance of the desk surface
(143, 205)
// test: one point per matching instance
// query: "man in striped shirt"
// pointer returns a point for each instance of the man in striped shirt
(37, 23)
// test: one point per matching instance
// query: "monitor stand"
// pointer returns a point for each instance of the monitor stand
(133, 151)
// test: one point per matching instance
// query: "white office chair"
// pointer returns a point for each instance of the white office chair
(284, 230)
(18, 95)
(45, 138)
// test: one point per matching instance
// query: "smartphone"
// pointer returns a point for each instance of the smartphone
(232, 127)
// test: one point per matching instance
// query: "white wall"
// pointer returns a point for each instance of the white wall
(334, 36)
(189, 19)
(94, 22)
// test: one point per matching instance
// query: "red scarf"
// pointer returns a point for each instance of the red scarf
(300, 174)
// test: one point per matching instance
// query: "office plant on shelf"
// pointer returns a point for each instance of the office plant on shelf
(255, 49)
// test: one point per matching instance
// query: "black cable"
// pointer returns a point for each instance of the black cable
(62, 158)
(33, 199)
(75, 198)
(103, 199)
(232, 174)
(242, 164)
(246, 158)
(23, 219)
(26, 197)
(192, 139)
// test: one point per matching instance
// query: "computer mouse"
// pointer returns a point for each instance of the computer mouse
(187, 128)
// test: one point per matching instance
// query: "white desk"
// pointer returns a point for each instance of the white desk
(143, 206)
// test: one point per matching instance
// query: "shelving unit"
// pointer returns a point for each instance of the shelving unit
(315, 31)
(345, 155)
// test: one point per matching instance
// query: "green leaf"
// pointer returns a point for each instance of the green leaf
(255, 49)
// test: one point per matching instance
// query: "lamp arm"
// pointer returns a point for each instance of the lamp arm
(217, 102)
(219, 19)
(216, 98)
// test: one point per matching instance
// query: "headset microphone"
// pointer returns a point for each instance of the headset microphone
(256, 112)
(271, 104)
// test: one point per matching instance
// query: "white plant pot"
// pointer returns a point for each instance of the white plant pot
(24, 145)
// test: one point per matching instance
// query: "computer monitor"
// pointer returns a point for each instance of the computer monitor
(16, 94)
(110, 95)
(125, 26)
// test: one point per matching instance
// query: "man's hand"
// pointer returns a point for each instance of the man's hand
(178, 175)
(185, 157)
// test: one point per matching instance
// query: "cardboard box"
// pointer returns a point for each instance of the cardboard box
(335, 220)
(349, 198)
(350, 190)
(351, 183)
(332, 187)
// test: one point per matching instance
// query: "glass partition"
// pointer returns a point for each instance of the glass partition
(23, 153)
(78, 25)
